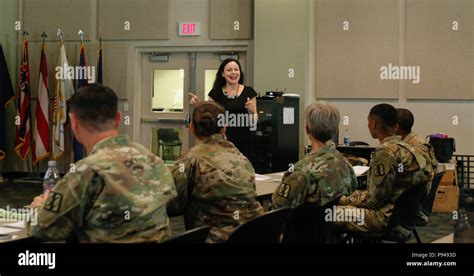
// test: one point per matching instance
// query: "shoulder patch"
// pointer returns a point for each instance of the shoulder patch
(284, 190)
(53, 203)
(379, 170)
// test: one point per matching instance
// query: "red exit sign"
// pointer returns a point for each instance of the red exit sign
(189, 28)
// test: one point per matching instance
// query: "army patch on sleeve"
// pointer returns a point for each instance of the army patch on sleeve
(284, 190)
(53, 203)
(379, 170)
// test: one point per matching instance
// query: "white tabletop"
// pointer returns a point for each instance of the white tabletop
(13, 233)
(268, 186)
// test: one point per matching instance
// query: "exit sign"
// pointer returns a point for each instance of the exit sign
(189, 28)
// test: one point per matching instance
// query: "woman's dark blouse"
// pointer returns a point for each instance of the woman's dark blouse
(240, 136)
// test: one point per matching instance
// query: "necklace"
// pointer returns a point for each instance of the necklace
(227, 94)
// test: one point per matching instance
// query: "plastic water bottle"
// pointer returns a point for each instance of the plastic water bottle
(50, 177)
(346, 137)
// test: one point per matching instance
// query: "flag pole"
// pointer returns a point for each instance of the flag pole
(81, 35)
(60, 33)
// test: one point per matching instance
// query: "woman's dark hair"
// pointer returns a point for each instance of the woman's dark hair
(220, 80)
(208, 119)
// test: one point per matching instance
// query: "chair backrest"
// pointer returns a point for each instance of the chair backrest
(358, 143)
(406, 208)
(267, 228)
(428, 202)
(306, 224)
(168, 135)
(196, 235)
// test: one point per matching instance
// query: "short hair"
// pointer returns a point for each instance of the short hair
(220, 81)
(206, 119)
(386, 115)
(405, 119)
(322, 120)
(96, 106)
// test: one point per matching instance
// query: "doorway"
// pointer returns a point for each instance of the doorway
(164, 107)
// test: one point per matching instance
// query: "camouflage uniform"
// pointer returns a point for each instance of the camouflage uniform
(216, 188)
(395, 167)
(428, 153)
(116, 194)
(426, 150)
(317, 179)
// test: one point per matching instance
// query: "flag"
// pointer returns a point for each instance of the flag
(6, 96)
(41, 146)
(64, 90)
(99, 65)
(23, 136)
(78, 148)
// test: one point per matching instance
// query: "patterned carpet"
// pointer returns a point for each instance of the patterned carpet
(17, 194)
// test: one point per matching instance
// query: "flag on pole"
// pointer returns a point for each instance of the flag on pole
(6, 96)
(78, 148)
(99, 65)
(23, 137)
(41, 146)
(64, 90)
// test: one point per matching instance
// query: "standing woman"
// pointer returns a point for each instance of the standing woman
(238, 100)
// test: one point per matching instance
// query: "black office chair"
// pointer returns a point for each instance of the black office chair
(267, 228)
(358, 143)
(168, 138)
(196, 235)
(306, 224)
(427, 204)
(404, 215)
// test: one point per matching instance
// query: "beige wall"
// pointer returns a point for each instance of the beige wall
(282, 41)
(431, 116)
(295, 41)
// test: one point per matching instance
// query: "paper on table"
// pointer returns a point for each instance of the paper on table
(18, 225)
(259, 177)
(280, 173)
(360, 170)
(4, 230)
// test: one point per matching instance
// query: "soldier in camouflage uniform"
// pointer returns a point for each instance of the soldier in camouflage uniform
(118, 193)
(406, 121)
(404, 129)
(215, 182)
(324, 174)
(395, 167)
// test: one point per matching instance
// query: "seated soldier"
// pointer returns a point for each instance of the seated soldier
(215, 181)
(324, 174)
(118, 193)
(395, 168)
(406, 121)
